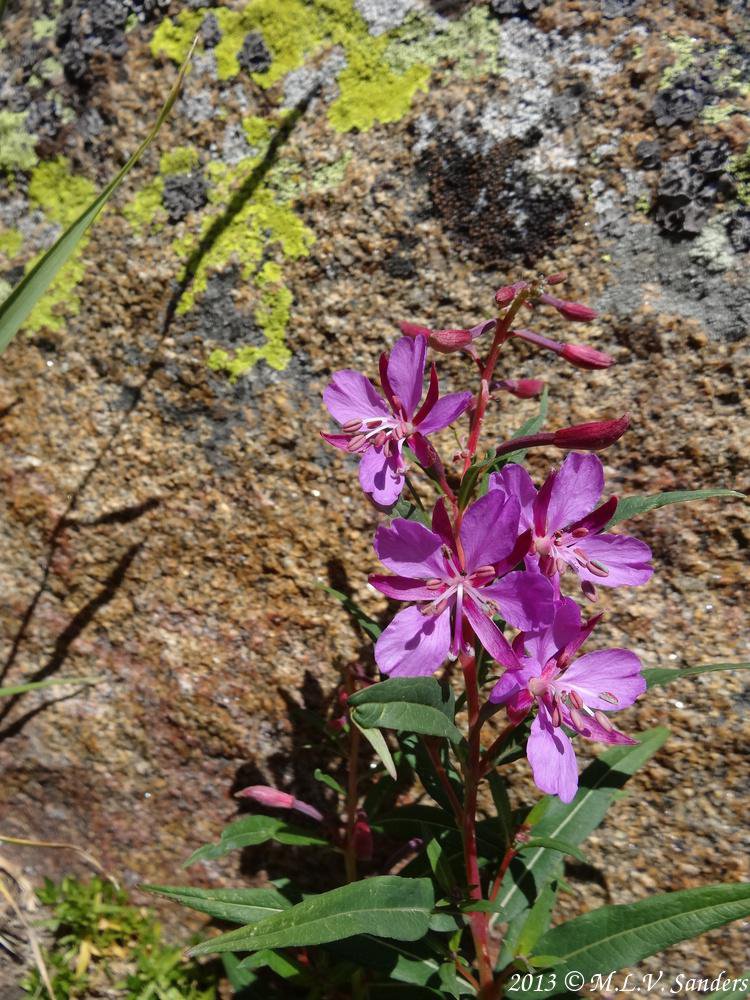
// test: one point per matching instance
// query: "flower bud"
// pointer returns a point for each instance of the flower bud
(594, 436)
(273, 798)
(569, 310)
(585, 357)
(362, 837)
(505, 295)
(446, 341)
(555, 279)
(522, 388)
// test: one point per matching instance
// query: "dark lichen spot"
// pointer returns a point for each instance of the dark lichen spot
(620, 8)
(494, 204)
(648, 154)
(738, 230)
(183, 193)
(90, 30)
(210, 31)
(215, 317)
(254, 56)
(688, 188)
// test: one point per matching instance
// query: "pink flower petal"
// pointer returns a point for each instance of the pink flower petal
(541, 644)
(414, 645)
(514, 480)
(626, 559)
(525, 600)
(403, 588)
(490, 635)
(592, 730)
(406, 371)
(340, 441)
(379, 478)
(445, 411)
(489, 529)
(576, 491)
(410, 549)
(350, 396)
(610, 671)
(552, 758)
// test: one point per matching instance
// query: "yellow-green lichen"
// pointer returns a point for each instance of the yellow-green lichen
(43, 28)
(371, 90)
(331, 175)
(11, 242)
(144, 211)
(16, 142)
(716, 113)
(683, 47)
(61, 196)
(739, 168)
(182, 160)
(272, 316)
(470, 44)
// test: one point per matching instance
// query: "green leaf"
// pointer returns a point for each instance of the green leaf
(367, 624)
(440, 865)
(657, 676)
(406, 718)
(7, 692)
(327, 780)
(238, 977)
(251, 830)
(19, 304)
(537, 921)
(412, 963)
(598, 785)
(499, 792)
(282, 965)
(554, 844)
(385, 906)
(418, 690)
(613, 937)
(238, 906)
(408, 510)
(378, 743)
(633, 506)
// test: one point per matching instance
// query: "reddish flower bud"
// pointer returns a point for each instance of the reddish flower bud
(585, 357)
(273, 798)
(523, 388)
(446, 341)
(569, 310)
(505, 295)
(556, 279)
(593, 436)
(362, 837)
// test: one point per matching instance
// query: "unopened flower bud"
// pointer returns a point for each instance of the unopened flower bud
(594, 436)
(569, 310)
(362, 837)
(505, 295)
(555, 279)
(273, 798)
(586, 357)
(522, 388)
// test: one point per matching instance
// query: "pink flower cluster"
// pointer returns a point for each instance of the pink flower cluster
(499, 561)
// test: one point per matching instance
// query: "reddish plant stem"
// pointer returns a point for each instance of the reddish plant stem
(352, 796)
(478, 921)
(502, 328)
(466, 974)
(458, 811)
(507, 858)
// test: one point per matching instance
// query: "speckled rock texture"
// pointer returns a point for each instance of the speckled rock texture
(168, 507)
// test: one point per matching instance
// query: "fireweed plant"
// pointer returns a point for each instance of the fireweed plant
(439, 896)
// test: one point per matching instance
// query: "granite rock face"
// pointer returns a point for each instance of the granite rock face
(169, 509)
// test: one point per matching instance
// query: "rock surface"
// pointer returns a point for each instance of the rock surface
(169, 509)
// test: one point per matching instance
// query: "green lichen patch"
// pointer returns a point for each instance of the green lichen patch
(470, 44)
(16, 142)
(182, 160)
(61, 196)
(739, 168)
(11, 242)
(684, 49)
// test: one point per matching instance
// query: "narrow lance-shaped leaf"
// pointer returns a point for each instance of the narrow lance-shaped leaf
(378, 743)
(19, 304)
(406, 718)
(613, 937)
(385, 906)
(238, 906)
(7, 692)
(633, 506)
(252, 830)
(657, 676)
(418, 690)
(599, 784)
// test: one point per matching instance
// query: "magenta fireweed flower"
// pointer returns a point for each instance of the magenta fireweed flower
(567, 692)
(459, 585)
(567, 525)
(377, 430)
